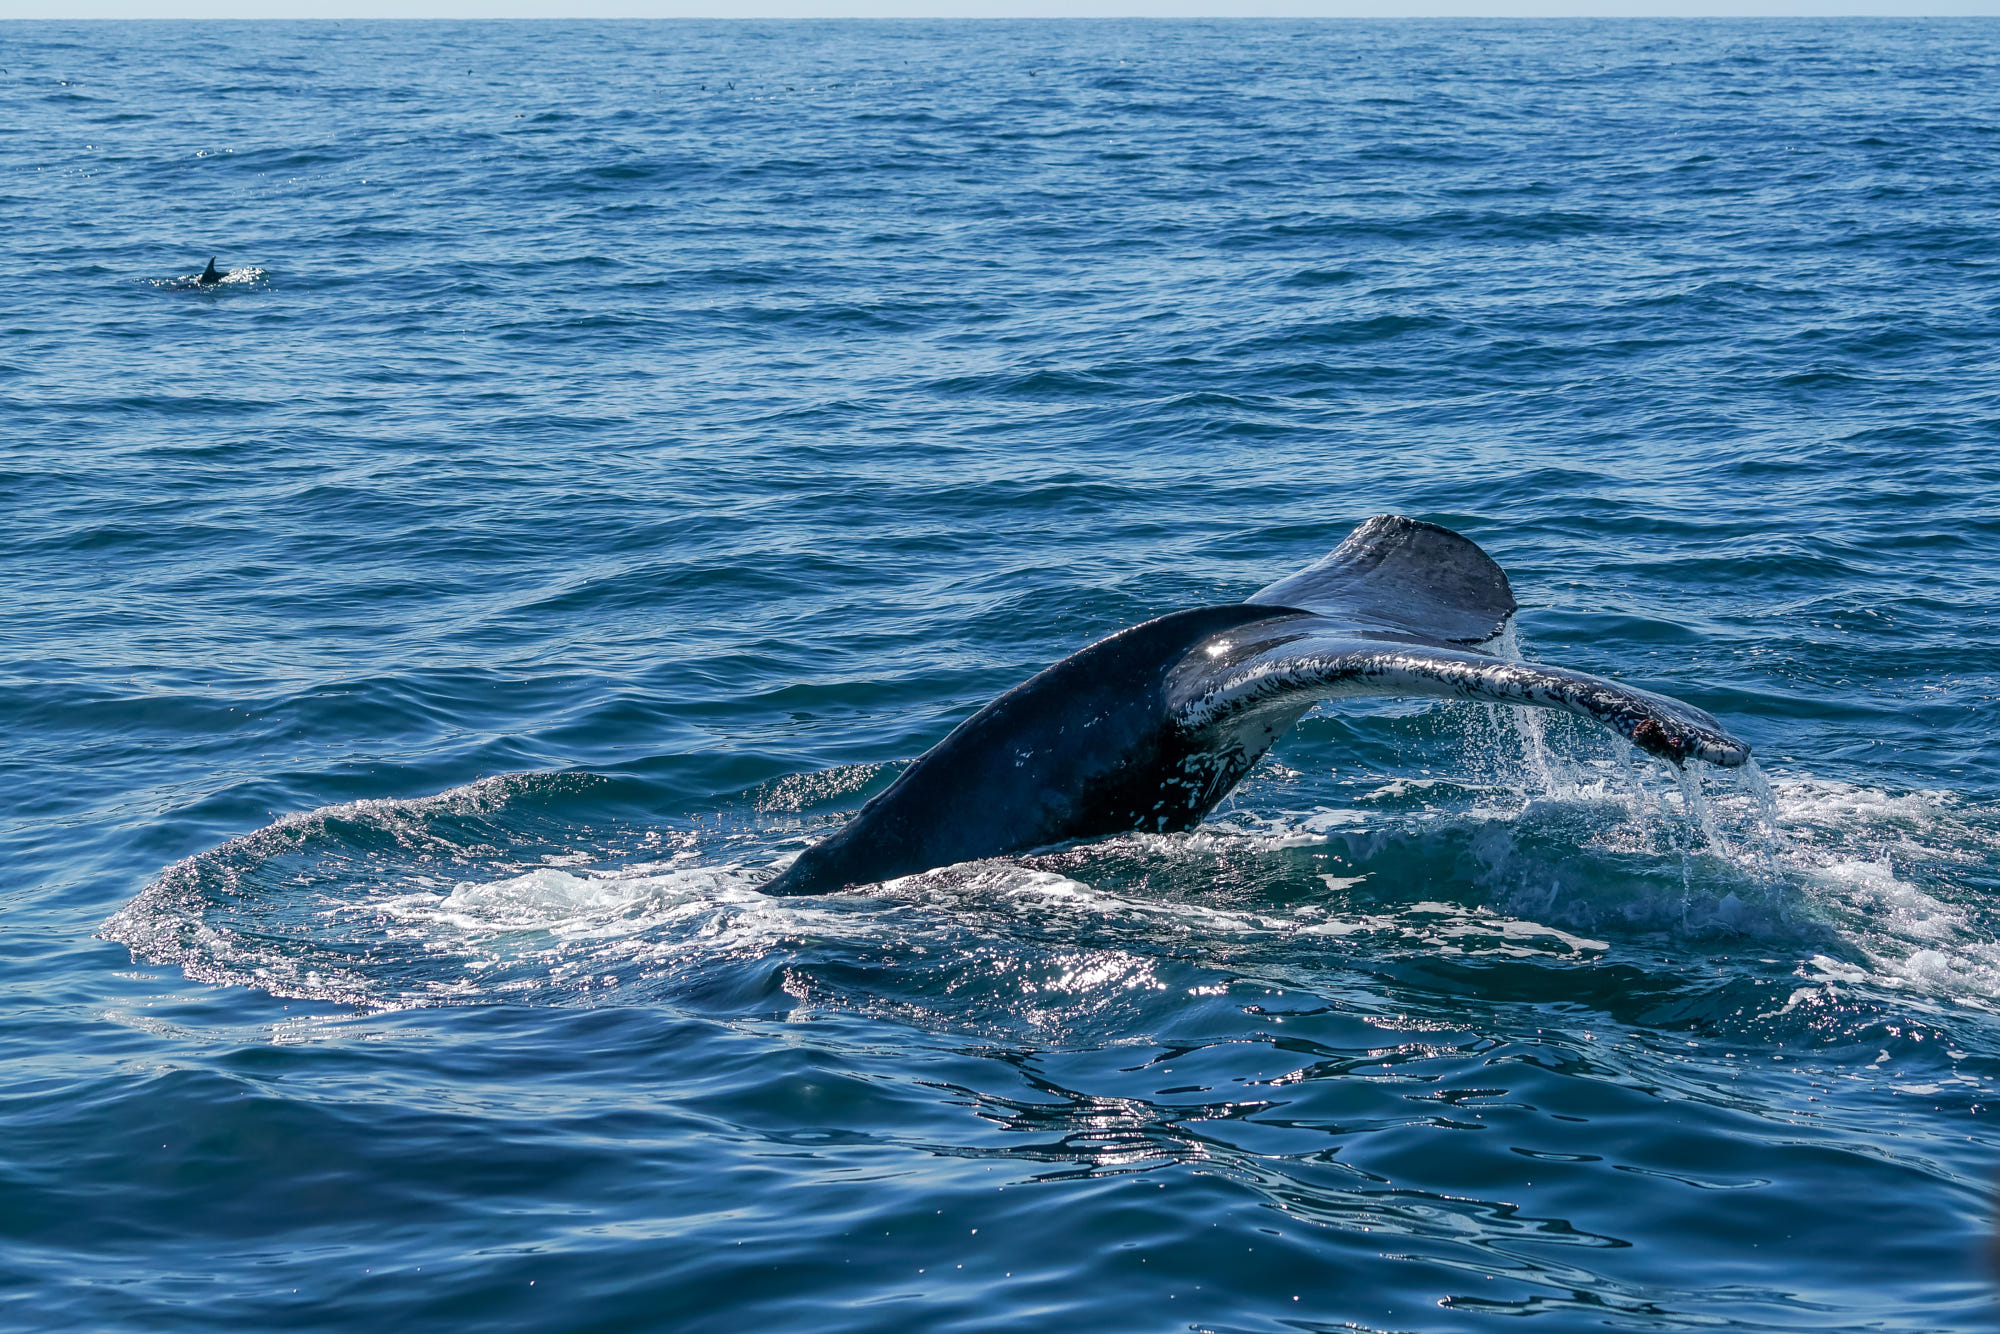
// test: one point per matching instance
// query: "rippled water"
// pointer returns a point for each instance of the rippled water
(618, 448)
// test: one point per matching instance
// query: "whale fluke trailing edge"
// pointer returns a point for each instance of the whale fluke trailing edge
(1151, 727)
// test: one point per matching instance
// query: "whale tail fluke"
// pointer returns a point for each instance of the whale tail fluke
(1398, 608)
(1403, 579)
(1150, 728)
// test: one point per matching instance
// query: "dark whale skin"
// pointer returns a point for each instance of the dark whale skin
(1086, 748)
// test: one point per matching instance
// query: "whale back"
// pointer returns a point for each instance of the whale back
(1085, 748)
(1403, 579)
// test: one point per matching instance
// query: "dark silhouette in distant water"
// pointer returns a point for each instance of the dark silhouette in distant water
(208, 277)
(1150, 728)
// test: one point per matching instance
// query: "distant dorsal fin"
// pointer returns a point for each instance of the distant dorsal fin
(209, 275)
(1398, 578)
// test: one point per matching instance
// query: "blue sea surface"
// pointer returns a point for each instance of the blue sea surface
(619, 448)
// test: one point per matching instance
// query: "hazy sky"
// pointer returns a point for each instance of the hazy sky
(303, 9)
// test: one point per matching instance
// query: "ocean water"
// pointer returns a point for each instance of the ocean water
(618, 448)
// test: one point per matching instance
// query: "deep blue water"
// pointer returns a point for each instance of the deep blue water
(620, 447)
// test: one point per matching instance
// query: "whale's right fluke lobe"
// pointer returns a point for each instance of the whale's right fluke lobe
(1243, 688)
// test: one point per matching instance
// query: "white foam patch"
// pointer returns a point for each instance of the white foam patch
(1788, 858)
(1451, 928)
(1880, 865)
(1913, 939)
(647, 913)
(332, 904)
(1815, 802)
(398, 907)
(1773, 863)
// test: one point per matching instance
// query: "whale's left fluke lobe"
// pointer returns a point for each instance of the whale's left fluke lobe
(1150, 728)
(1403, 579)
